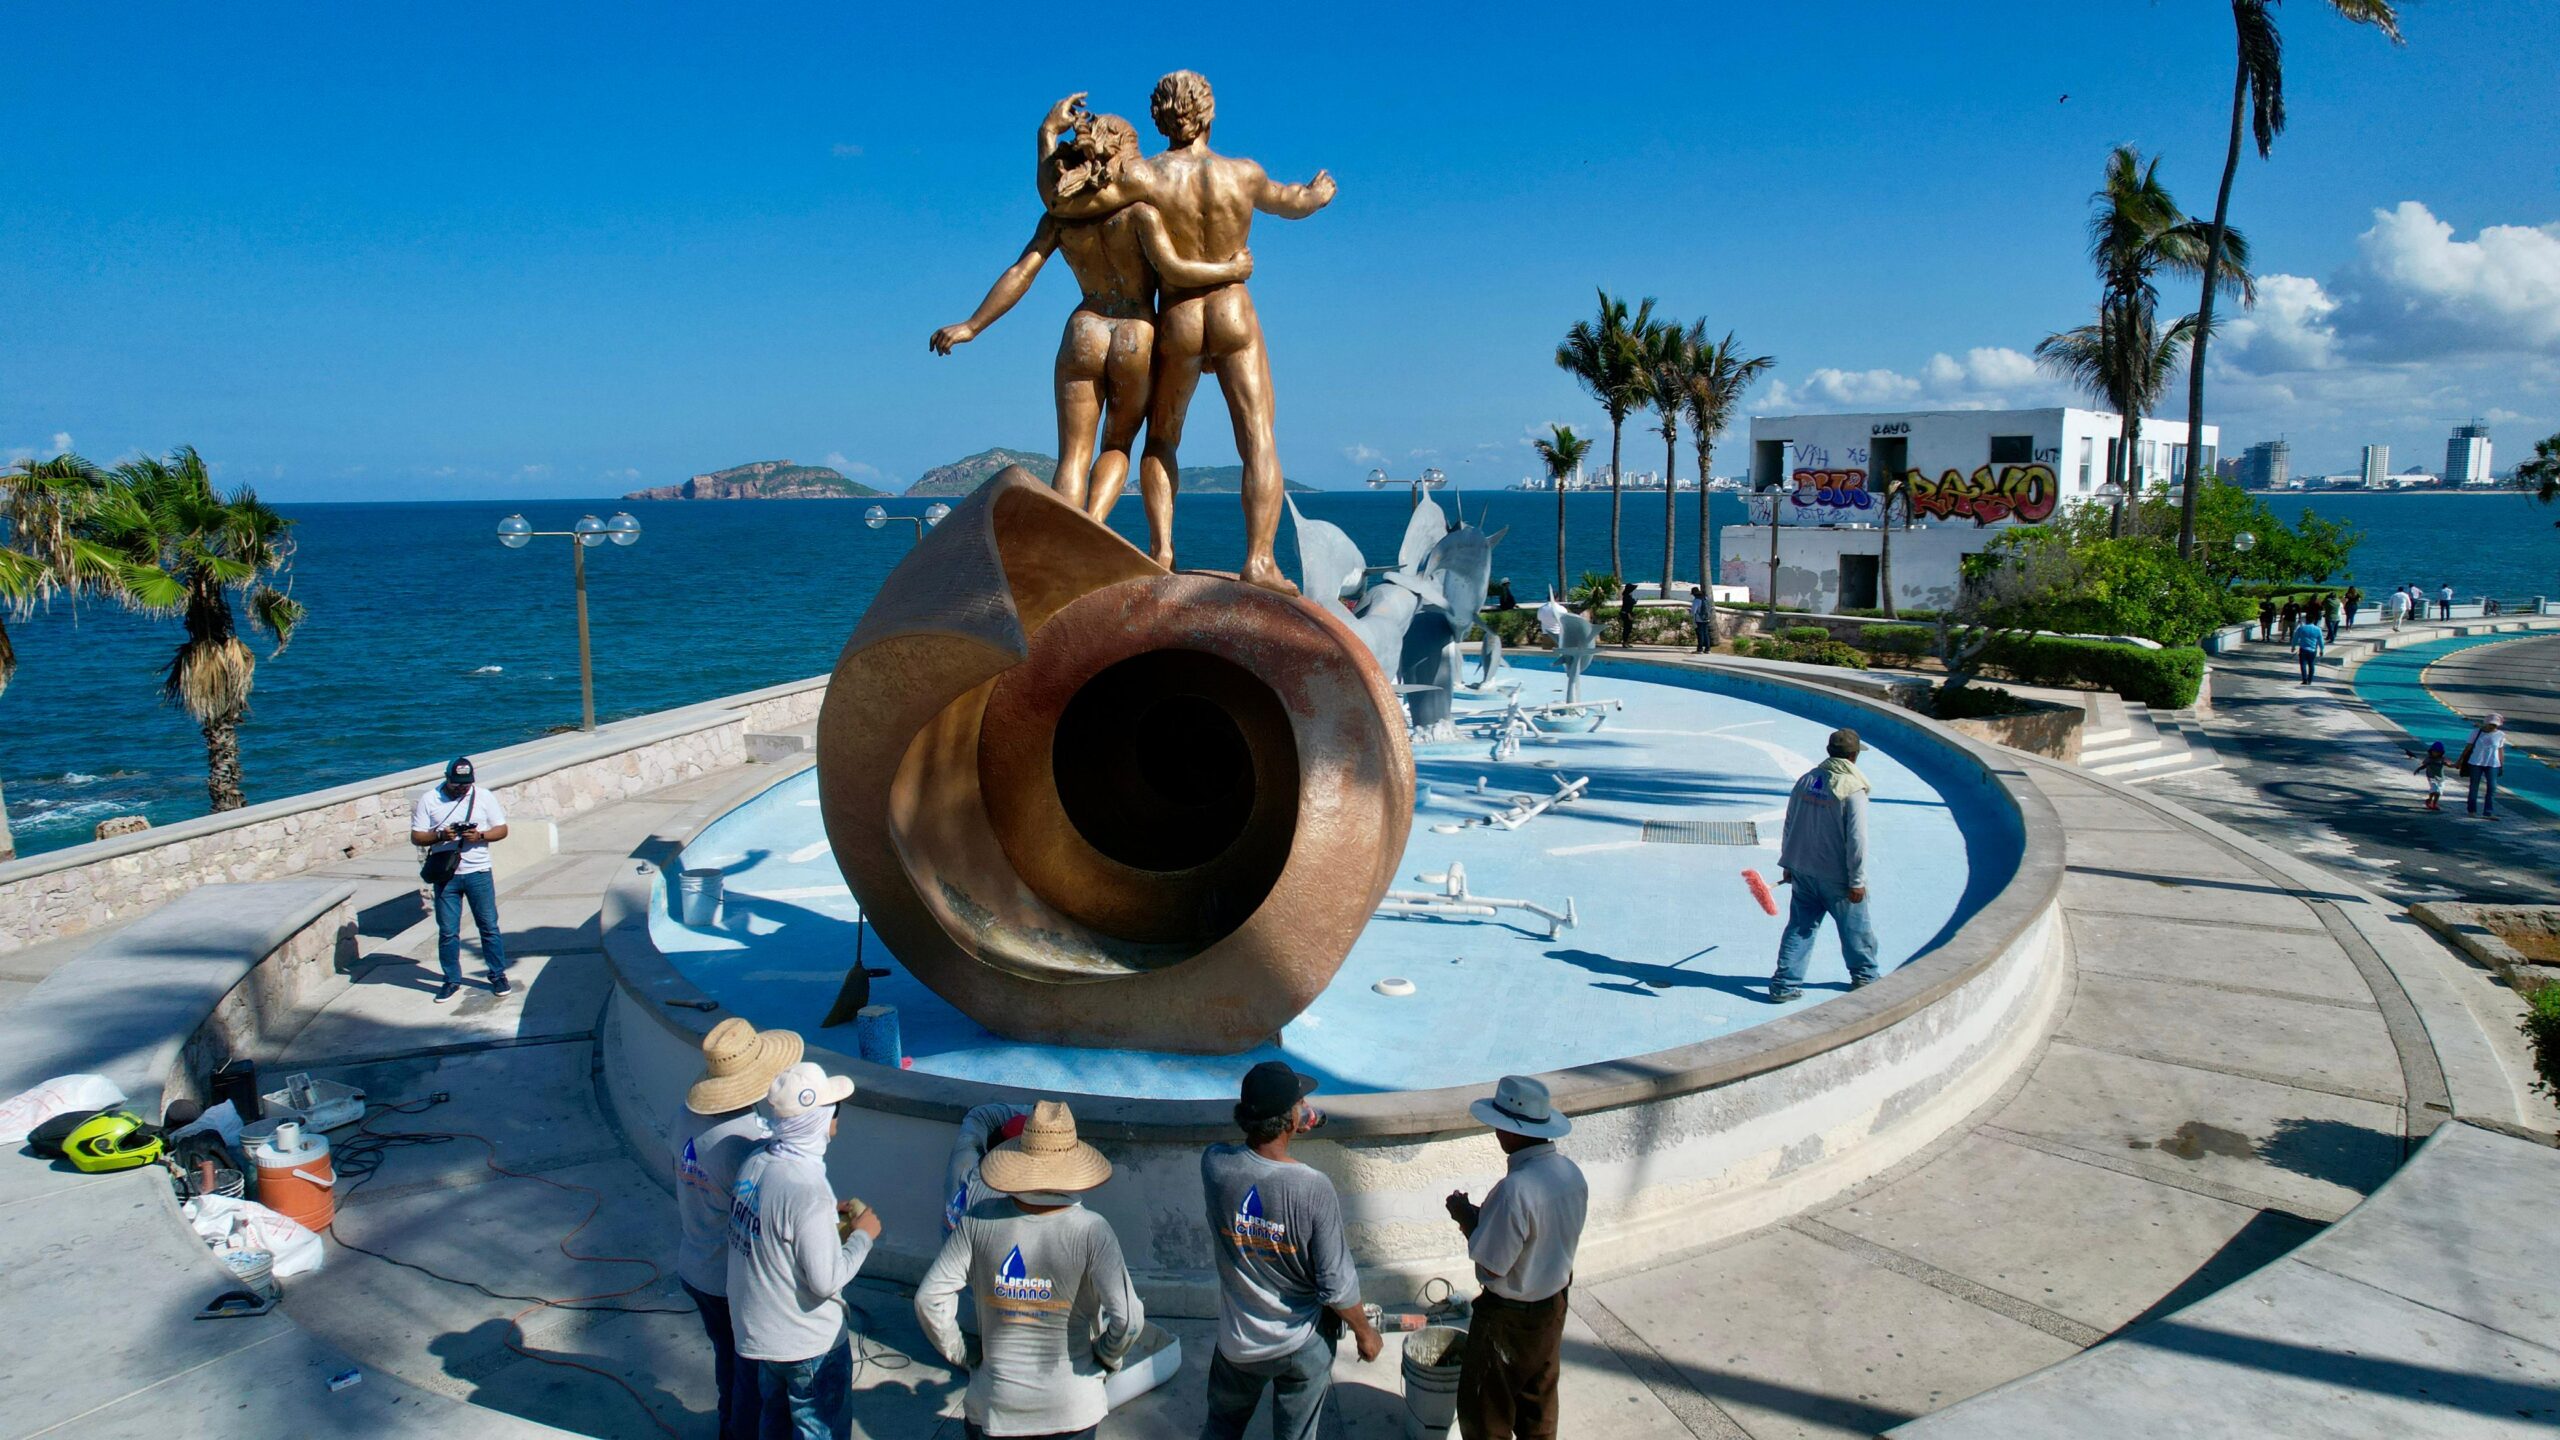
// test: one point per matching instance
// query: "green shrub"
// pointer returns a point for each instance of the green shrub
(1975, 702)
(1903, 642)
(2161, 679)
(1825, 651)
(1870, 613)
(2542, 1027)
(1806, 634)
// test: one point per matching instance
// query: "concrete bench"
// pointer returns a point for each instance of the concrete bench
(100, 1277)
(2432, 1309)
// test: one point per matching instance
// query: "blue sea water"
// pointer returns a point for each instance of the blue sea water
(426, 639)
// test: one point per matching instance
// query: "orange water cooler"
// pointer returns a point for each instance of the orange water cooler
(295, 1178)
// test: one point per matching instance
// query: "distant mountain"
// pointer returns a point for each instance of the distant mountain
(962, 476)
(763, 480)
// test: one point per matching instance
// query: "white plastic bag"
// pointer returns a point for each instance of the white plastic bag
(20, 1116)
(230, 1224)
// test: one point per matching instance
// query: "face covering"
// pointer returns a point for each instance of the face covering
(804, 1134)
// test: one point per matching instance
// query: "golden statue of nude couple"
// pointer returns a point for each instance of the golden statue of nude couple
(1158, 244)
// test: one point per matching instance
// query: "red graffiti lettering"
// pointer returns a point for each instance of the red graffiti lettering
(2025, 492)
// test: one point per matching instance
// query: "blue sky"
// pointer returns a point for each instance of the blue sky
(379, 252)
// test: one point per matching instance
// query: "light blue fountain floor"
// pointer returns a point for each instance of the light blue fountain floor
(1670, 948)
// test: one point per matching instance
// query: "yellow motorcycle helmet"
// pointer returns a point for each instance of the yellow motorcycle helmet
(113, 1140)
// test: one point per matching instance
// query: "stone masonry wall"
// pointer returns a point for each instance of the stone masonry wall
(78, 897)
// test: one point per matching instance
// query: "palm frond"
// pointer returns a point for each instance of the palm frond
(275, 612)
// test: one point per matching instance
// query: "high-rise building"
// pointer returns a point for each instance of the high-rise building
(2466, 455)
(2267, 465)
(2377, 466)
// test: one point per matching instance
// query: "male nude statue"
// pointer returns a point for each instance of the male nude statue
(1104, 358)
(1207, 202)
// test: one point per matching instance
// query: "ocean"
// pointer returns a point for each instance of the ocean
(427, 639)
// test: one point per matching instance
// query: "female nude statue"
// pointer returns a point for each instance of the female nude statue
(1106, 358)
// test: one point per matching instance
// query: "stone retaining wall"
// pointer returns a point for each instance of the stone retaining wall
(270, 1005)
(65, 892)
(2052, 731)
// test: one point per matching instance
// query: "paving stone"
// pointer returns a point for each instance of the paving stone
(2301, 1147)
(391, 1008)
(2028, 1224)
(2305, 962)
(2092, 811)
(2294, 1039)
(536, 1103)
(2190, 891)
(280, 1387)
(1795, 1338)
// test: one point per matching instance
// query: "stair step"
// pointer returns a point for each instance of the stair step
(2093, 756)
(2140, 764)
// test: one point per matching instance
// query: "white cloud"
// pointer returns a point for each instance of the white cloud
(2414, 291)
(533, 472)
(845, 151)
(18, 453)
(2290, 328)
(61, 442)
(860, 469)
(1987, 377)
(1363, 454)
(626, 473)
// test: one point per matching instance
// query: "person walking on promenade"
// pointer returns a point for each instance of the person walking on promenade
(2308, 642)
(712, 1136)
(793, 1248)
(1522, 1240)
(1699, 616)
(1627, 618)
(456, 821)
(2355, 602)
(1056, 1308)
(2483, 756)
(1823, 855)
(2286, 617)
(2432, 765)
(2329, 617)
(2395, 607)
(2444, 602)
(1286, 1286)
(2266, 618)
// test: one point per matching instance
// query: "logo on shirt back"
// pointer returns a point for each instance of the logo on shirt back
(1250, 1231)
(1014, 1280)
(746, 1218)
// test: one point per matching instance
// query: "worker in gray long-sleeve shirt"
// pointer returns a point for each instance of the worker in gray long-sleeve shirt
(1055, 1302)
(792, 1249)
(1824, 857)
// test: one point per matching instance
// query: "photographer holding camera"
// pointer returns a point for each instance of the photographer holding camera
(455, 821)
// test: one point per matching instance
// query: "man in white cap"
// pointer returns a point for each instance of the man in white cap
(792, 1248)
(711, 1138)
(1523, 1240)
(1286, 1285)
(1056, 1309)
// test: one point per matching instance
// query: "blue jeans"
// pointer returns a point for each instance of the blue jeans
(808, 1399)
(738, 1398)
(2484, 790)
(2309, 659)
(481, 888)
(1812, 900)
(1300, 1382)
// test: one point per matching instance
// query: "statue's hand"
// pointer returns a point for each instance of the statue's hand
(950, 335)
(1063, 114)
(1244, 266)
(1322, 187)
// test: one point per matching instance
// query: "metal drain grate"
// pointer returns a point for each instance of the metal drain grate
(1701, 832)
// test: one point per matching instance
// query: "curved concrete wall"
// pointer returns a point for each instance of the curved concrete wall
(1682, 1148)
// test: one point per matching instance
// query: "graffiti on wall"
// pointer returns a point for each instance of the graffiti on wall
(1832, 490)
(1990, 493)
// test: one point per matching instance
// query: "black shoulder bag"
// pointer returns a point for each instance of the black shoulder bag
(438, 867)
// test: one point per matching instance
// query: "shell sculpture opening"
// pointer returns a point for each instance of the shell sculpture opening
(1090, 802)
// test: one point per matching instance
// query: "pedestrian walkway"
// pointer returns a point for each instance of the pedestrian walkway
(2248, 1047)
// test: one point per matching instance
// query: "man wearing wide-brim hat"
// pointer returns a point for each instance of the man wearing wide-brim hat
(710, 1139)
(1522, 1240)
(793, 1248)
(1037, 1263)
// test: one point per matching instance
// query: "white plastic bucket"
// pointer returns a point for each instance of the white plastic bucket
(1432, 1356)
(698, 894)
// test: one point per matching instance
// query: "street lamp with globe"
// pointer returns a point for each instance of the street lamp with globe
(515, 532)
(934, 514)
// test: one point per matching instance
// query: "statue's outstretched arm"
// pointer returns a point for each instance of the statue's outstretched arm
(1009, 288)
(1293, 202)
(1178, 272)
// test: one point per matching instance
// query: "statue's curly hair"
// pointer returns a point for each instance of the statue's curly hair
(1183, 106)
(1102, 145)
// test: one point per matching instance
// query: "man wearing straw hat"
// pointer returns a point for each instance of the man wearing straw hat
(792, 1250)
(710, 1138)
(1056, 1309)
(1286, 1285)
(1522, 1240)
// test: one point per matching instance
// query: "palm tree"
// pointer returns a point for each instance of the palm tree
(1665, 360)
(1602, 357)
(2136, 234)
(2257, 92)
(190, 551)
(2122, 361)
(44, 555)
(1719, 373)
(1563, 451)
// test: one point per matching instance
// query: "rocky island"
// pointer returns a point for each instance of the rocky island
(962, 476)
(763, 480)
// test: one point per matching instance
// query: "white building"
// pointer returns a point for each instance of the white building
(2466, 456)
(2377, 467)
(1968, 474)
